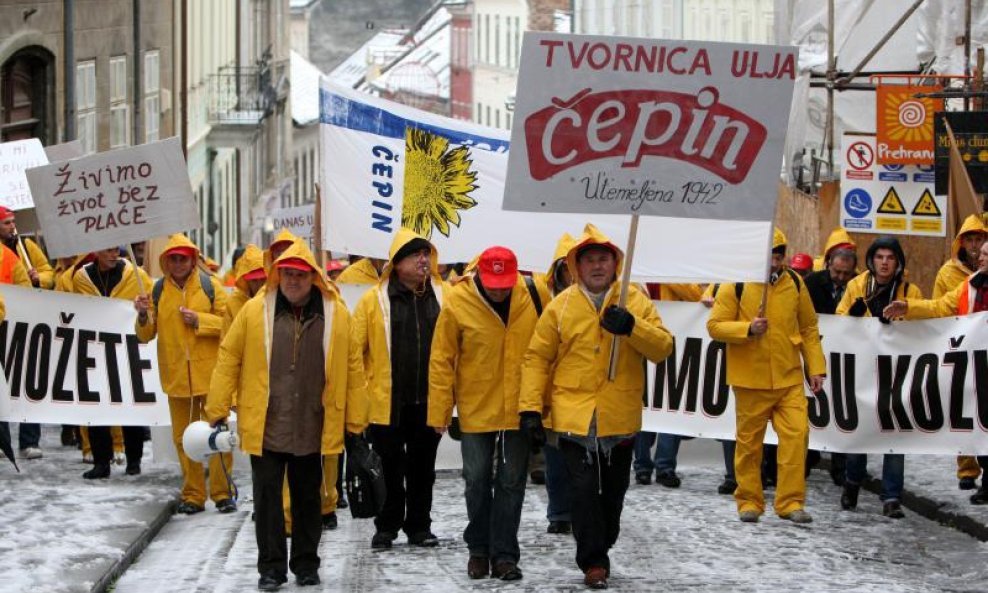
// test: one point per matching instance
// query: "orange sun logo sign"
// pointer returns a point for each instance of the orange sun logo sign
(905, 124)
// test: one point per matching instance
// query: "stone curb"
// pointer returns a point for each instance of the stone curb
(133, 551)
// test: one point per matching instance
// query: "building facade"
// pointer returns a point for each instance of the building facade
(741, 21)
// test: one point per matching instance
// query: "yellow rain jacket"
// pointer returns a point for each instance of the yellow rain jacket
(3, 309)
(372, 329)
(360, 272)
(46, 274)
(185, 355)
(252, 259)
(127, 289)
(837, 237)
(476, 359)
(689, 293)
(858, 287)
(955, 271)
(565, 369)
(65, 280)
(772, 360)
(242, 367)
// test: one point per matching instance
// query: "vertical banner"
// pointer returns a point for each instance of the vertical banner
(905, 124)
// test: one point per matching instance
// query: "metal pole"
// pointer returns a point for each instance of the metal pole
(831, 75)
(881, 42)
(138, 70)
(967, 51)
(68, 20)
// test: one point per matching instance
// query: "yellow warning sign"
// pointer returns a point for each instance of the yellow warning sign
(926, 206)
(891, 204)
(884, 223)
(927, 226)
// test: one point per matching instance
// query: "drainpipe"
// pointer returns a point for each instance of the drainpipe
(68, 16)
(184, 80)
(138, 75)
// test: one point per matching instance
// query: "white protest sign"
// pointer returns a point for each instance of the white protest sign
(887, 199)
(448, 181)
(15, 158)
(686, 129)
(113, 198)
(72, 359)
(299, 220)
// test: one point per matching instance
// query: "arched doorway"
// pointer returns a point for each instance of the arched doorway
(27, 96)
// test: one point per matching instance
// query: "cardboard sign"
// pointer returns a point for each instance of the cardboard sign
(888, 199)
(299, 220)
(15, 158)
(905, 124)
(616, 125)
(971, 132)
(113, 198)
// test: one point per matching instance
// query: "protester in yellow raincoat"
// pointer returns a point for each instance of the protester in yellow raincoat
(764, 366)
(365, 270)
(249, 279)
(838, 239)
(37, 266)
(186, 316)
(393, 327)
(298, 377)
(565, 375)
(113, 277)
(867, 295)
(477, 350)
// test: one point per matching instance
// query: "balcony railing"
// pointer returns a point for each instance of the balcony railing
(245, 95)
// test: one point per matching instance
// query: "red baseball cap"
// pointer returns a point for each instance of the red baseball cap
(189, 252)
(258, 274)
(498, 268)
(6, 213)
(295, 263)
(801, 262)
(334, 265)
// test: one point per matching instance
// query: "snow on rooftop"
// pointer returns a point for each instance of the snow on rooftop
(305, 90)
(355, 67)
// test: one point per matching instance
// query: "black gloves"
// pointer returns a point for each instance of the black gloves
(618, 321)
(530, 424)
(858, 309)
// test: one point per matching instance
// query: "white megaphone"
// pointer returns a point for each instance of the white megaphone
(200, 440)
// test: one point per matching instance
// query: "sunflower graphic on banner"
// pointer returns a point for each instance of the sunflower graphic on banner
(905, 124)
(438, 182)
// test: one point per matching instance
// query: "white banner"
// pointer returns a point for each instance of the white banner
(113, 198)
(887, 199)
(384, 163)
(908, 387)
(15, 158)
(72, 359)
(620, 125)
(299, 220)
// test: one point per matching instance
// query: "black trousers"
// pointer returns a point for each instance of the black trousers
(598, 483)
(304, 482)
(408, 454)
(101, 443)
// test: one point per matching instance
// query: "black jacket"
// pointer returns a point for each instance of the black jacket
(413, 319)
(821, 289)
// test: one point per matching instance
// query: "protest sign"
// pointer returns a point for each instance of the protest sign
(72, 359)
(617, 125)
(15, 159)
(299, 220)
(385, 165)
(113, 198)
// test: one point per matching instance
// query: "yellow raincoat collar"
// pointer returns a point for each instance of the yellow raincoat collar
(177, 240)
(252, 259)
(299, 250)
(972, 224)
(592, 236)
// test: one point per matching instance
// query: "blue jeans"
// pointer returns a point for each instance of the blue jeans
(666, 453)
(893, 473)
(28, 434)
(556, 485)
(494, 496)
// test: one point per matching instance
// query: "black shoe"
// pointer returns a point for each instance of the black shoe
(561, 527)
(190, 508)
(893, 510)
(329, 521)
(728, 486)
(227, 505)
(643, 478)
(967, 484)
(506, 571)
(538, 477)
(980, 497)
(307, 579)
(423, 539)
(668, 480)
(270, 582)
(382, 540)
(133, 469)
(68, 436)
(341, 503)
(478, 567)
(838, 466)
(100, 471)
(849, 496)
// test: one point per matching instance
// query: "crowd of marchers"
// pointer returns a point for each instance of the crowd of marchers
(535, 375)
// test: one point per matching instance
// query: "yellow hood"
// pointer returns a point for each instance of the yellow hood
(565, 243)
(592, 236)
(778, 238)
(299, 250)
(252, 259)
(402, 238)
(177, 240)
(283, 235)
(838, 237)
(972, 224)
